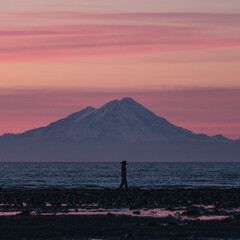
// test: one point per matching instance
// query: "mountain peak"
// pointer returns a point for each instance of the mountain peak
(128, 100)
(124, 120)
(123, 100)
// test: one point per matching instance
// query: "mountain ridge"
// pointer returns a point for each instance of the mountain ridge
(122, 115)
(120, 129)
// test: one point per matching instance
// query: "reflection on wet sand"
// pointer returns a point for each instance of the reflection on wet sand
(9, 213)
(92, 209)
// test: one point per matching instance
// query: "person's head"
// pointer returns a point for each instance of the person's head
(123, 162)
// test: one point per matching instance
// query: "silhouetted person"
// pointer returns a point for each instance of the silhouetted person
(124, 175)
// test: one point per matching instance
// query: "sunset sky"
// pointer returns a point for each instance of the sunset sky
(179, 58)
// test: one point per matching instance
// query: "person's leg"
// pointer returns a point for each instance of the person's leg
(126, 185)
(124, 181)
(121, 186)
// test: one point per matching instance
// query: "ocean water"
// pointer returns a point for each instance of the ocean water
(108, 175)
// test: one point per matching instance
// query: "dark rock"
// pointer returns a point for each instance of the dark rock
(110, 214)
(172, 223)
(152, 224)
(38, 211)
(227, 219)
(192, 212)
(137, 212)
(236, 217)
(24, 213)
(128, 235)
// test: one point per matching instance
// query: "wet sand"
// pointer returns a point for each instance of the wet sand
(203, 213)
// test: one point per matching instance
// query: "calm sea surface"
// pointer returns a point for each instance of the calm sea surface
(101, 175)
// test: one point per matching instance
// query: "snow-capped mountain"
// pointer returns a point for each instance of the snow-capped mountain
(119, 120)
(120, 128)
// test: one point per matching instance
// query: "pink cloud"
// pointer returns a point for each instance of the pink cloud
(178, 17)
(28, 43)
(95, 34)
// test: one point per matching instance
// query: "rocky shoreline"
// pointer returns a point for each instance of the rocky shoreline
(135, 198)
(201, 213)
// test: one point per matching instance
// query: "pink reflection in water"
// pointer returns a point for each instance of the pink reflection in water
(205, 218)
(160, 212)
(234, 210)
(204, 206)
(94, 210)
(95, 239)
(212, 217)
(9, 213)
(89, 205)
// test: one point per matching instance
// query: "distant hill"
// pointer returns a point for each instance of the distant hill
(119, 129)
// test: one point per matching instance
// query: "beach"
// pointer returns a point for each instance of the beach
(55, 213)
